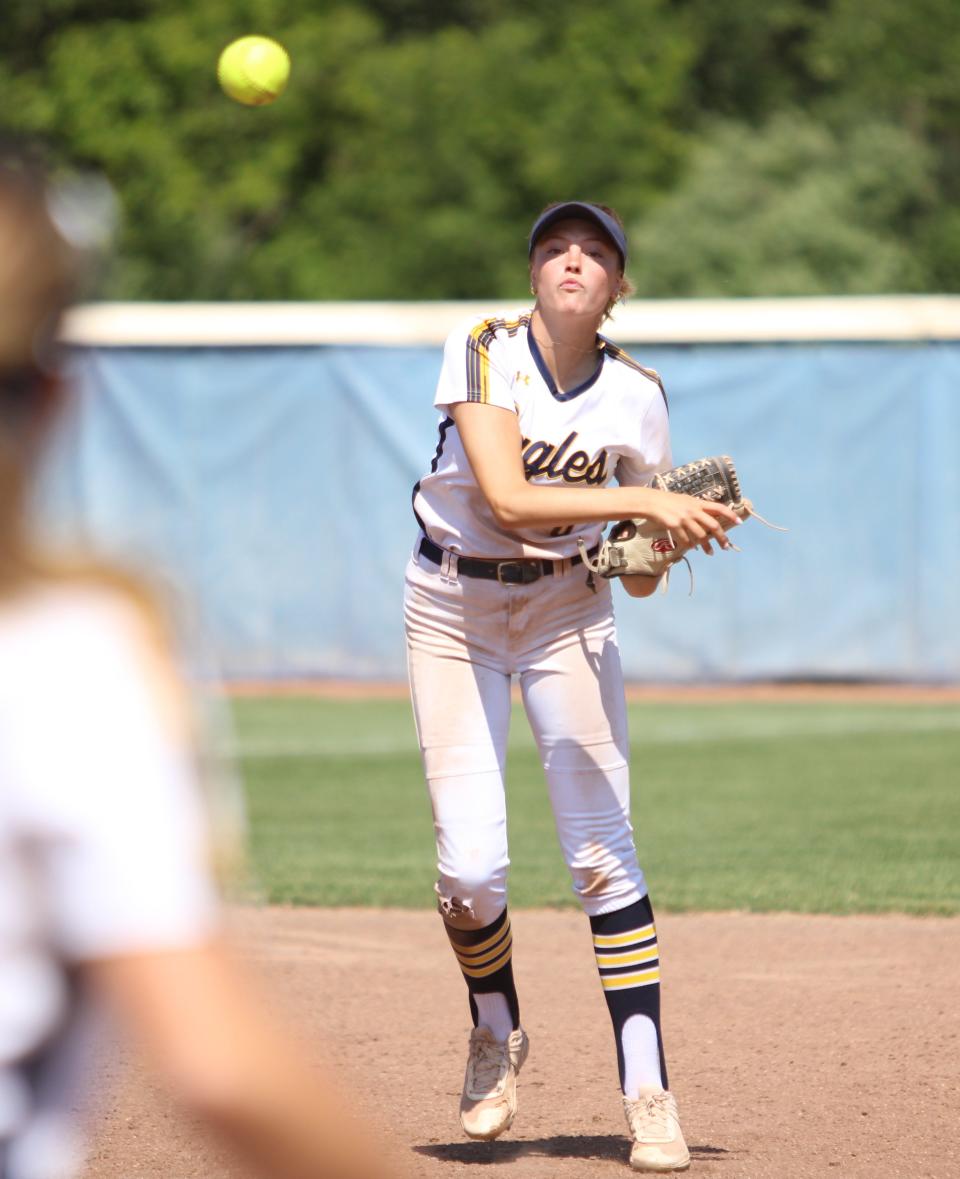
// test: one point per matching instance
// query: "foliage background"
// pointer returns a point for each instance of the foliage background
(753, 147)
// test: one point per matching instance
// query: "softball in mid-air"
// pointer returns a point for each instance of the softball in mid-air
(254, 70)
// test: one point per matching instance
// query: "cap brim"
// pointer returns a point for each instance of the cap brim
(582, 210)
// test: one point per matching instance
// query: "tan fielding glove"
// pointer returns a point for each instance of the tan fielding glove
(641, 547)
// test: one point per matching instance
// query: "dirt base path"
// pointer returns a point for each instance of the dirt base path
(799, 1047)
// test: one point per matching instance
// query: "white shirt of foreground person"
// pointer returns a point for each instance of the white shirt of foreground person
(103, 850)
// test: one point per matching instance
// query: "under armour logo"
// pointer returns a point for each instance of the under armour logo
(525, 377)
(663, 544)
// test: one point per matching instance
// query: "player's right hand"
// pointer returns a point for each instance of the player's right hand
(692, 521)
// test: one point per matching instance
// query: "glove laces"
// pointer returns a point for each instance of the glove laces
(747, 507)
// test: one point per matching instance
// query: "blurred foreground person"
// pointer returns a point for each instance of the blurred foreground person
(107, 906)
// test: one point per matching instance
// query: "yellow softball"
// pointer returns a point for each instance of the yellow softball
(254, 70)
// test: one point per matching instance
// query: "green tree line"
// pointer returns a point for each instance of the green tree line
(753, 146)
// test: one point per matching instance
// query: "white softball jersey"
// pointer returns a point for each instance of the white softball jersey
(103, 850)
(613, 427)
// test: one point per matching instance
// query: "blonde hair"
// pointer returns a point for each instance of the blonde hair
(38, 271)
(39, 274)
(38, 268)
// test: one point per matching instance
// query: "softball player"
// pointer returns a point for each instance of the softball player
(539, 414)
(106, 897)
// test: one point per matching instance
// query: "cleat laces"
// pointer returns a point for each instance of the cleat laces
(488, 1061)
(650, 1117)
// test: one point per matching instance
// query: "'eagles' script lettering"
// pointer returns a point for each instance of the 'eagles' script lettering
(544, 460)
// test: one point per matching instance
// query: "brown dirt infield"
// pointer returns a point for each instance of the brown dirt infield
(800, 1047)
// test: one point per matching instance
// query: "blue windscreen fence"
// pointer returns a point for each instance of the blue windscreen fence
(271, 485)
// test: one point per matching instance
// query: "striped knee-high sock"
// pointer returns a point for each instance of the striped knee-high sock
(625, 944)
(486, 959)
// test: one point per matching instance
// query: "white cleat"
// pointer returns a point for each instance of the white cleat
(658, 1143)
(489, 1101)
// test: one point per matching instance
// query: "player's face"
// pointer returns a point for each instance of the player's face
(575, 268)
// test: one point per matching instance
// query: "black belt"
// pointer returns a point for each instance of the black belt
(518, 572)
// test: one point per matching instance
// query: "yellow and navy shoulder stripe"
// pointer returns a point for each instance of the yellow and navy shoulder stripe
(629, 959)
(617, 353)
(478, 353)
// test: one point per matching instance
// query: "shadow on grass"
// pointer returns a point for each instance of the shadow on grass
(614, 1147)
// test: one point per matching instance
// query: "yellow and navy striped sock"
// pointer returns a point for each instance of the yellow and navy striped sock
(486, 959)
(628, 959)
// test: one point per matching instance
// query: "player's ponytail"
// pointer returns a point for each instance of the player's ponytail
(38, 271)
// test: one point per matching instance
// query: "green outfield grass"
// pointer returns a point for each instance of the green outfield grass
(805, 806)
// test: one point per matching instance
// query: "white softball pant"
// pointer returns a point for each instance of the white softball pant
(466, 637)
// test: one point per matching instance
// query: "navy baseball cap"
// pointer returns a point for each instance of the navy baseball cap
(584, 211)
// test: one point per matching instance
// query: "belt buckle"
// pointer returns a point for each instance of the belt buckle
(526, 572)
